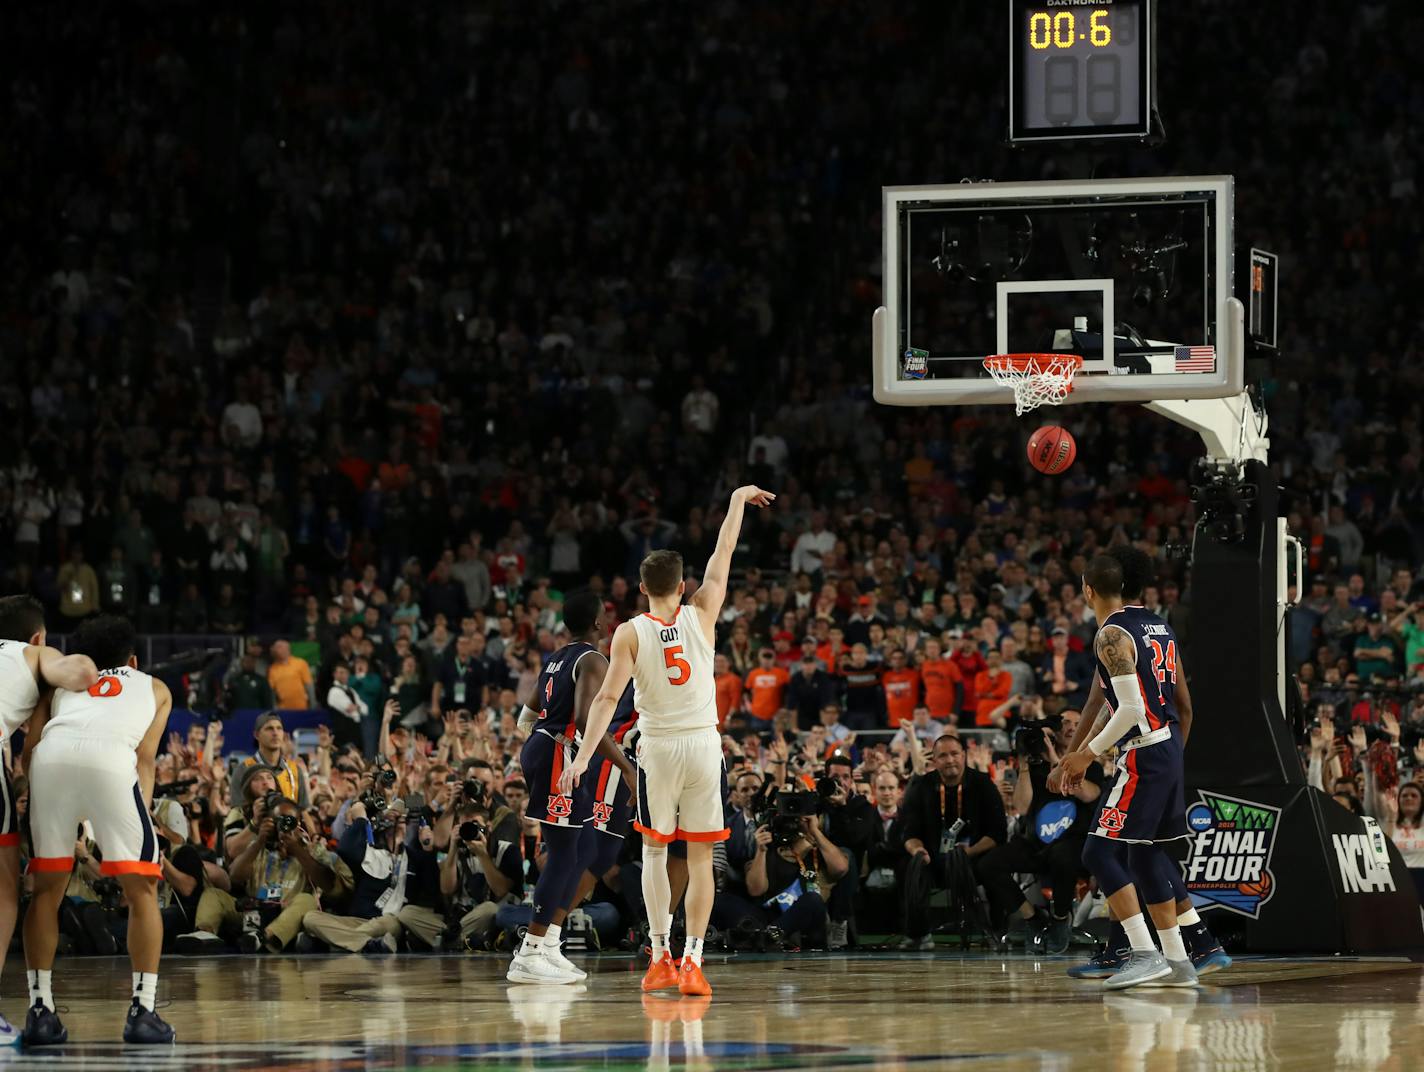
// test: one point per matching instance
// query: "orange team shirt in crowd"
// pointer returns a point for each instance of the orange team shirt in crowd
(289, 683)
(831, 658)
(940, 677)
(990, 690)
(902, 693)
(766, 687)
(729, 695)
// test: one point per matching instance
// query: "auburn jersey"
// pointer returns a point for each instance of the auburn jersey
(1156, 667)
(555, 693)
(624, 727)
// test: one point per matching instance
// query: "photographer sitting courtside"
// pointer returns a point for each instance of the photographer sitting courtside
(792, 861)
(952, 815)
(849, 824)
(478, 874)
(386, 871)
(1051, 837)
(283, 870)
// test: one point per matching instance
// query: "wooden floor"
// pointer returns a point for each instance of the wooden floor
(810, 1011)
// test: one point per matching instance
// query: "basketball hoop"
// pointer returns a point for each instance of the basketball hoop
(1036, 379)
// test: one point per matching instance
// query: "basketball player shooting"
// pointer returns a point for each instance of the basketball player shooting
(668, 654)
(1139, 662)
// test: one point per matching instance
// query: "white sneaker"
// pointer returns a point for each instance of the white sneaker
(557, 958)
(8, 1035)
(537, 968)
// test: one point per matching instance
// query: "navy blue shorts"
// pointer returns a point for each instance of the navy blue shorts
(543, 759)
(609, 807)
(1146, 803)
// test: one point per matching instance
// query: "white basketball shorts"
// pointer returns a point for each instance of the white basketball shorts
(77, 778)
(681, 785)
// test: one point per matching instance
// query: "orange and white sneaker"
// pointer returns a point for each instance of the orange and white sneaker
(691, 981)
(661, 975)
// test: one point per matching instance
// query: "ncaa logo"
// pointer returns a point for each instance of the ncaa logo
(1199, 818)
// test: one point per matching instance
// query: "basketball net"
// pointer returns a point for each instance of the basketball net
(1036, 379)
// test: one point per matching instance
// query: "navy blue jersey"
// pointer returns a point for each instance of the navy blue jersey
(624, 727)
(1156, 666)
(555, 694)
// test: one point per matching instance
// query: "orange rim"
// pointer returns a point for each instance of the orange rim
(1034, 363)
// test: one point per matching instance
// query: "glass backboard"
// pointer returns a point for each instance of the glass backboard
(1133, 275)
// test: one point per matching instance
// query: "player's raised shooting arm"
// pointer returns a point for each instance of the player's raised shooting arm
(148, 747)
(623, 652)
(591, 675)
(712, 592)
(73, 672)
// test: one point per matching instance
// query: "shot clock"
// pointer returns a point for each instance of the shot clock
(1080, 69)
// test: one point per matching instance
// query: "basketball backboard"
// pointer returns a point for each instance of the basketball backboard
(1134, 275)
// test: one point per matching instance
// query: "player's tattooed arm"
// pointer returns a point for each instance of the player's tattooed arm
(1116, 651)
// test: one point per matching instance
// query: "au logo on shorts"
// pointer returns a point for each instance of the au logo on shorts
(1231, 843)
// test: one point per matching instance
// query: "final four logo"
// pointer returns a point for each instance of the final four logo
(1230, 862)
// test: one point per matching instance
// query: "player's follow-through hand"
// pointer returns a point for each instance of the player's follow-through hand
(755, 496)
(571, 776)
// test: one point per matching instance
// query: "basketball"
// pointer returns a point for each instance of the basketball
(1260, 888)
(1051, 449)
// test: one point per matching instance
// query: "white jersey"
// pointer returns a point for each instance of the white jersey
(19, 692)
(673, 690)
(118, 709)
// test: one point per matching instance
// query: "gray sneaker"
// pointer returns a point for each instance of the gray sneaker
(1142, 967)
(836, 934)
(1182, 974)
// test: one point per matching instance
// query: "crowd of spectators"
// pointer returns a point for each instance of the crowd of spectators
(361, 334)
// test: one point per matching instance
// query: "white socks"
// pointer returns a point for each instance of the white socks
(657, 896)
(693, 951)
(532, 944)
(1139, 935)
(145, 988)
(1172, 947)
(551, 936)
(1189, 918)
(40, 987)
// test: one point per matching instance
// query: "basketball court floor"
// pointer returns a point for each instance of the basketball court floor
(808, 1011)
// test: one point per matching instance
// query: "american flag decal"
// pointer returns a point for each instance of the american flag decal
(1194, 358)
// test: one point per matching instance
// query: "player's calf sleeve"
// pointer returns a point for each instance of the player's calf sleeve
(657, 891)
(1108, 861)
(561, 873)
(1154, 871)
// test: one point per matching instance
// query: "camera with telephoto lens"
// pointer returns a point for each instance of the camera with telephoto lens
(1029, 741)
(374, 802)
(787, 808)
(472, 831)
(826, 788)
(386, 776)
(473, 790)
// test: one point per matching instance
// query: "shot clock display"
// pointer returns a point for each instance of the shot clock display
(1080, 69)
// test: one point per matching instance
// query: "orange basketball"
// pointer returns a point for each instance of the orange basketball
(1051, 449)
(1260, 888)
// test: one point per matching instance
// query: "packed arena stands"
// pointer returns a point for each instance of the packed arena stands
(336, 375)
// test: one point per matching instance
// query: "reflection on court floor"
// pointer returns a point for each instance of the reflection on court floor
(879, 1011)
